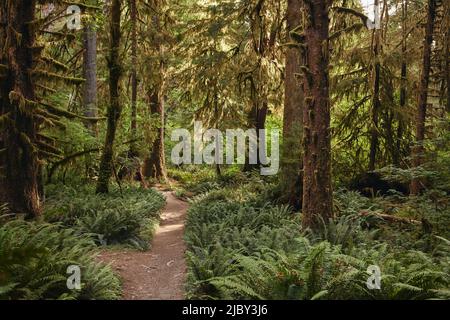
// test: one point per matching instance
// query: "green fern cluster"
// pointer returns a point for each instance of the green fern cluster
(245, 250)
(126, 217)
(217, 230)
(34, 259)
(322, 271)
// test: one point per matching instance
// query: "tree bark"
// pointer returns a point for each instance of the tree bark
(292, 162)
(317, 190)
(155, 164)
(257, 117)
(90, 75)
(114, 108)
(134, 80)
(418, 149)
(375, 98)
(403, 84)
(19, 179)
(447, 51)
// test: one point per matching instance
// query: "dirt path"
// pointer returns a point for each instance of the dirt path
(159, 273)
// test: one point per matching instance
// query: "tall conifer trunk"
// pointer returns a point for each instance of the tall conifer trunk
(418, 149)
(317, 191)
(403, 83)
(134, 80)
(376, 43)
(114, 108)
(19, 161)
(155, 164)
(291, 166)
(90, 75)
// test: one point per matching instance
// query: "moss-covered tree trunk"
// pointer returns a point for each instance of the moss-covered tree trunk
(446, 9)
(418, 149)
(155, 164)
(317, 190)
(114, 108)
(292, 162)
(90, 75)
(376, 68)
(134, 79)
(403, 85)
(257, 120)
(19, 157)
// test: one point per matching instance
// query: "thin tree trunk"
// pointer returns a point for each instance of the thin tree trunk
(403, 83)
(115, 108)
(375, 98)
(19, 179)
(134, 80)
(263, 44)
(291, 166)
(418, 149)
(447, 51)
(90, 75)
(216, 126)
(317, 190)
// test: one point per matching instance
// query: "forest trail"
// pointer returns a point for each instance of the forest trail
(160, 272)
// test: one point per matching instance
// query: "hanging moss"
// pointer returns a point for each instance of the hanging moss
(26, 140)
(45, 88)
(5, 119)
(55, 64)
(50, 122)
(46, 75)
(66, 114)
(45, 154)
(24, 105)
(48, 148)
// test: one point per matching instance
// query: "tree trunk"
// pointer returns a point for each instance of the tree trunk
(257, 117)
(155, 164)
(418, 149)
(291, 166)
(403, 83)
(19, 179)
(317, 190)
(134, 80)
(375, 98)
(447, 51)
(90, 74)
(115, 108)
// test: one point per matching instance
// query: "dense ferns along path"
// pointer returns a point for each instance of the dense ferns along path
(159, 273)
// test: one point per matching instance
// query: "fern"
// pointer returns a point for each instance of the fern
(34, 258)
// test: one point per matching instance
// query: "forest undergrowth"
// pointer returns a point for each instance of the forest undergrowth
(243, 245)
(76, 224)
